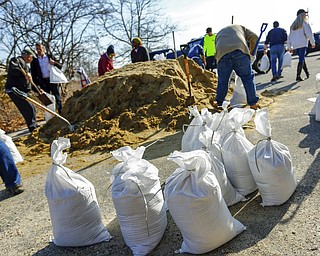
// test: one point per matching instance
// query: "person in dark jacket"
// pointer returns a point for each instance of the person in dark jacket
(9, 172)
(276, 37)
(41, 73)
(105, 63)
(17, 79)
(139, 53)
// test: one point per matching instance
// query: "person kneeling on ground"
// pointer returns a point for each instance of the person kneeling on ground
(9, 172)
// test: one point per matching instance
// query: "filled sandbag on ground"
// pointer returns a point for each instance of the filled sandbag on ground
(138, 200)
(74, 210)
(194, 199)
(271, 165)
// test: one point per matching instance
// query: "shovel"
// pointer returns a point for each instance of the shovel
(25, 96)
(42, 96)
(190, 100)
(262, 29)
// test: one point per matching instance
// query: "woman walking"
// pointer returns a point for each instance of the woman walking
(300, 33)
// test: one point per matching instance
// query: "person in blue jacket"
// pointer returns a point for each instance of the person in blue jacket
(276, 37)
(9, 172)
(196, 53)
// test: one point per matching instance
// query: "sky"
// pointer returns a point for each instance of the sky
(193, 17)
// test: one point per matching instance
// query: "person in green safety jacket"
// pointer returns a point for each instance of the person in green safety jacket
(209, 48)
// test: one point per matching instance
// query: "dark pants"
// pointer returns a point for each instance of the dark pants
(211, 63)
(54, 90)
(27, 110)
(8, 169)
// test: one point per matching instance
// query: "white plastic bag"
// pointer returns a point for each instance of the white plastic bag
(74, 210)
(56, 75)
(271, 165)
(239, 96)
(287, 60)
(194, 199)
(12, 147)
(264, 63)
(52, 106)
(138, 200)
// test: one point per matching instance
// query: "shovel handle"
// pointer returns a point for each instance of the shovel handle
(262, 29)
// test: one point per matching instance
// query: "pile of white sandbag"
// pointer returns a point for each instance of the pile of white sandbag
(74, 210)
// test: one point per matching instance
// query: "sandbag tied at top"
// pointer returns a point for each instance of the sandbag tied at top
(234, 148)
(271, 165)
(229, 193)
(74, 210)
(190, 139)
(138, 200)
(17, 157)
(193, 196)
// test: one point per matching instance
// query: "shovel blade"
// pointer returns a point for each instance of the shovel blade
(44, 99)
(190, 101)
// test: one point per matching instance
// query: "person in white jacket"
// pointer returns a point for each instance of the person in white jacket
(300, 33)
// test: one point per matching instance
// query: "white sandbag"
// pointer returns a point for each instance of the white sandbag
(287, 60)
(316, 109)
(12, 147)
(56, 75)
(194, 199)
(234, 148)
(264, 63)
(47, 115)
(74, 210)
(318, 77)
(230, 195)
(190, 138)
(138, 200)
(271, 165)
(239, 96)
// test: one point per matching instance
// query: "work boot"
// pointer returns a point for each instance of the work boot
(255, 106)
(274, 78)
(299, 69)
(16, 190)
(305, 69)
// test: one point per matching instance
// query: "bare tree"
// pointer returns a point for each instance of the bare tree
(61, 25)
(135, 18)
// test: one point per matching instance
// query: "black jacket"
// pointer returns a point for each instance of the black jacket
(36, 70)
(140, 54)
(15, 77)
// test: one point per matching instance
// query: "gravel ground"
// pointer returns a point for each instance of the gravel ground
(290, 229)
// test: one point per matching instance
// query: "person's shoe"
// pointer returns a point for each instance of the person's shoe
(274, 78)
(280, 77)
(307, 74)
(255, 106)
(299, 79)
(16, 190)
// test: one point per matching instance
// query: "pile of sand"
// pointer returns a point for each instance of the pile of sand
(115, 110)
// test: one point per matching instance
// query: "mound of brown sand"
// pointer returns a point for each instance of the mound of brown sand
(115, 109)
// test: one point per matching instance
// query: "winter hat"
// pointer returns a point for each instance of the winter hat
(209, 30)
(301, 11)
(28, 52)
(137, 40)
(110, 50)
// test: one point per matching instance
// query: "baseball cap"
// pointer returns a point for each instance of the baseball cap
(28, 52)
(301, 11)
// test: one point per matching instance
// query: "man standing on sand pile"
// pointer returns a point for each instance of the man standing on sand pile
(17, 79)
(139, 53)
(232, 53)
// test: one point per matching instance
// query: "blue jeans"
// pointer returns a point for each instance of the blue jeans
(240, 63)
(276, 52)
(301, 53)
(8, 170)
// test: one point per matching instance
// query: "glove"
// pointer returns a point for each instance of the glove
(252, 59)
